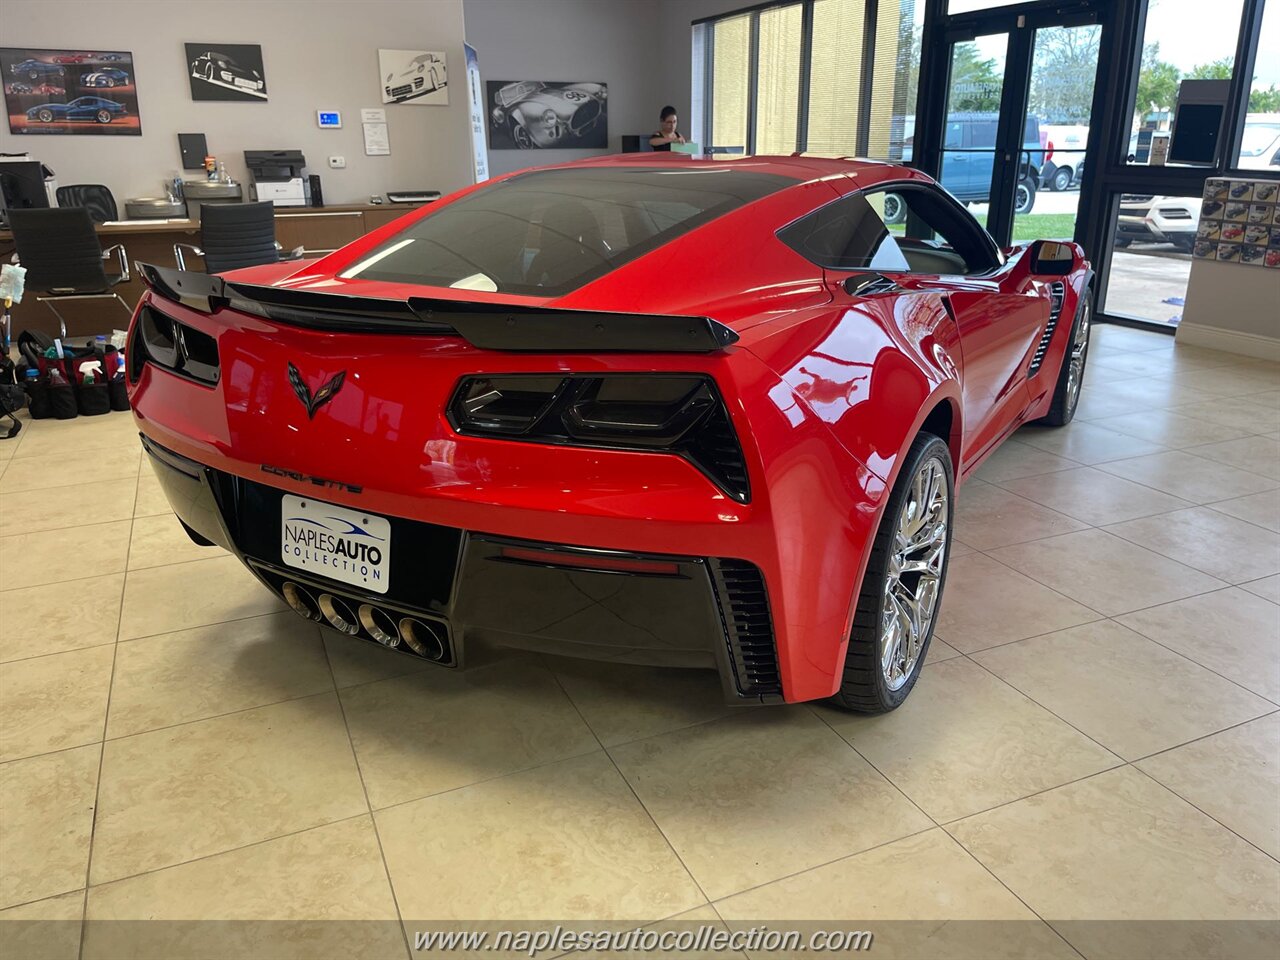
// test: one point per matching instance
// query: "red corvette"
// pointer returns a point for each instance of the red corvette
(655, 410)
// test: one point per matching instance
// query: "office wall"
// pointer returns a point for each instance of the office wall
(616, 42)
(318, 54)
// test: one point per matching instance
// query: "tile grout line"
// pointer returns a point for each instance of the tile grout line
(364, 788)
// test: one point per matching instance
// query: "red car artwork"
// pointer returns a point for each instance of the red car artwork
(652, 410)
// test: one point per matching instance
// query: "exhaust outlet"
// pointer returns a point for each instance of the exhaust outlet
(379, 625)
(300, 600)
(424, 639)
(338, 614)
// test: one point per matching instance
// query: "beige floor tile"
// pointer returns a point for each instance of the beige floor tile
(33, 510)
(592, 854)
(1193, 478)
(193, 674)
(1013, 459)
(622, 702)
(988, 516)
(55, 556)
(48, 820)
(688, 923)
(925, 878)
(1132, 396)
(159, 541)
(173, 795)
(1130, 694)
(39, 620)
(46, 473)
(940, 650)
(1112, 339)
(1260, 508)
(1268, 587)
(49, 438)
(178, 596)
(1221, 546)
(1234, 380)
(985, 603)
(356, 661)
(1233, 776)
(1170, 428)
(1095, 497)
(151, 499)
(1119, 846)
(441, 729)
(301, 895)
(54, 702)
(1259, 455)
(1239, 412)
(959, 549)
(43, 930)
(967, 741)
(1231, 632)
(1105, 572)
(778, 783)
(1086, 443)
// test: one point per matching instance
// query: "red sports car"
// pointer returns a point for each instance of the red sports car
(654, 410)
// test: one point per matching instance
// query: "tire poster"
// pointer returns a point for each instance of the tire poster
(68, 92)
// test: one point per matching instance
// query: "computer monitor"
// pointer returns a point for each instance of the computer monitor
(21, 186)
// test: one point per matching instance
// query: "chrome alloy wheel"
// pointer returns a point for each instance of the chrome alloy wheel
(1075, 359)
(914, 573)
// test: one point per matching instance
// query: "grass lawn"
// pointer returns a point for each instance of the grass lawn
(1044, 226)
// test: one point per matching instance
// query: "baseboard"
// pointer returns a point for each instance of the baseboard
(1232, 341)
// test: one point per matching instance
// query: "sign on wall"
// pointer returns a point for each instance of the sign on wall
(475, 104)
(414, 76)
(226, 72)
(535, 114)
(52, 92)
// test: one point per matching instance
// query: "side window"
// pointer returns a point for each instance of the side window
(848, 234)
(954, 138)
(934, 234)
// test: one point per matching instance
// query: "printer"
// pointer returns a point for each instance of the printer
(276, 175)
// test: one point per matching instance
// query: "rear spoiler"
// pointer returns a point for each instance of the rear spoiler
(491, 326)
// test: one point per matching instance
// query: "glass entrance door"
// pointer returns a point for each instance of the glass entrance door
(970, 142)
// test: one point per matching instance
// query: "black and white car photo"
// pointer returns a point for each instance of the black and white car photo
(226, 72)
(414, 76)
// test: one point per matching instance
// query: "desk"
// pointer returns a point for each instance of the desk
(151, 241)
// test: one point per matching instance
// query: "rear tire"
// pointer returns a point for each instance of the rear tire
(1066, 395)
(895, 211)
(902, 588)
(1025, 197)
(1061, 179)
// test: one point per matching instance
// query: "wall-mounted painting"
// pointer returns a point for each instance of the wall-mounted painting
(535, 114)
(226, 72)
(413, 76)
(70, 91)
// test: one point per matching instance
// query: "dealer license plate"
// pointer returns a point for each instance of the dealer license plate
(335, 542)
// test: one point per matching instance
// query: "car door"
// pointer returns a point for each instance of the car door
(80, 110)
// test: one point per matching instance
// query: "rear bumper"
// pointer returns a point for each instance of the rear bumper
(705, 612)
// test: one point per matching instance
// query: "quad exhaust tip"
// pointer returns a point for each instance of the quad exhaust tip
(301, 600)
(425, 637)
(379, 625)
(338, 614)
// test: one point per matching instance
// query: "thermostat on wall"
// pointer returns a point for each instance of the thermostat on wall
(329, 118)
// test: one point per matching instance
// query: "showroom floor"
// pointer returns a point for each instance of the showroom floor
(1096, 735)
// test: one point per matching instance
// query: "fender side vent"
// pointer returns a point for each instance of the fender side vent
(744, 607)
(1057, 294)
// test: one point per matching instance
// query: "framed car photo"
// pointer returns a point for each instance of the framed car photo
(226, 72)
(68, 92)
(539, 115)
(413, 76)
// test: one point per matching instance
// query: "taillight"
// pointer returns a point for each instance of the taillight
(1048, 150)
(180, 349)
(680, 414)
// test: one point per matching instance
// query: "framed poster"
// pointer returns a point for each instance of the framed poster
(67, 92)
(414, 76)
(227, 72)
(536, 115)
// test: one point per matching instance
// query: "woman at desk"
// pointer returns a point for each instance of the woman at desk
(667, 134)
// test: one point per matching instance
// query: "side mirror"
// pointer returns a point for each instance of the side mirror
(1051, 258)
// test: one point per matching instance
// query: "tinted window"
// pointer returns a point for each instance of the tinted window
(547, 232)
(934, 233)
(845, 235)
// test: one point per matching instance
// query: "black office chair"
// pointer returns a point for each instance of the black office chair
(59, 249)
(233, 235)
(96, 198)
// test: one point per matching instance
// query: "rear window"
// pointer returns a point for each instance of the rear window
(547, 232)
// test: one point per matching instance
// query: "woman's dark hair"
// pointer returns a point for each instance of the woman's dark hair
(667, 111)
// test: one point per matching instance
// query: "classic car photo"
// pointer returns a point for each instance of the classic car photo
(94, 109)
(105, 77)
(212, 73)
(530, 114)
(36, 69)
(423, 74)
(72, 57)
(639, 408)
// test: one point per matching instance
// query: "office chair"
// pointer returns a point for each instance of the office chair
(60, 251)
(93, 196)
(233, 235)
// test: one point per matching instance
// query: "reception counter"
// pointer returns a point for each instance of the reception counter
(151, 241)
